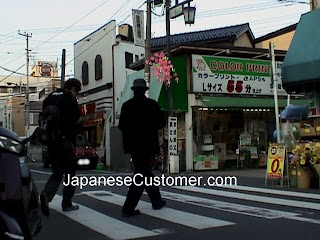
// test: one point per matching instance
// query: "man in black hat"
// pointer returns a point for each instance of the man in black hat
(140, 120)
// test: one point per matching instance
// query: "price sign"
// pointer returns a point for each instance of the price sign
(172, 145)
(276, 158)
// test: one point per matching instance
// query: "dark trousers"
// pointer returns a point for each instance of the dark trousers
(63, 162)
(142, 165)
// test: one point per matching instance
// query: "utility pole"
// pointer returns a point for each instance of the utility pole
(27, 36)
(63, 68)
(274, 80)
(148, 44)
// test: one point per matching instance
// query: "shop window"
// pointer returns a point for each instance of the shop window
(85, 73)
(128, 59)
(98, 67)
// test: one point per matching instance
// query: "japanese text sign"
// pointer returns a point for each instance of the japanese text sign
(173, 143)
(234, 76)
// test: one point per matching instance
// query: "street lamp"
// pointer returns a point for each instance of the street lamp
(189, 13)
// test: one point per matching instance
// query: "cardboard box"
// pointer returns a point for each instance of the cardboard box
(307, 131)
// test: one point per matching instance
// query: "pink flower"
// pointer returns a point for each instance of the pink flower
(162, 68)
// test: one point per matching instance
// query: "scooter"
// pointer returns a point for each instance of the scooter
(20, 216)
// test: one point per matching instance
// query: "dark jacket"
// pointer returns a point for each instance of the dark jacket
(69, 111)
(140, 120)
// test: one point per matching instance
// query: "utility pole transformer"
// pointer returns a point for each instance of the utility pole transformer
(27, 36)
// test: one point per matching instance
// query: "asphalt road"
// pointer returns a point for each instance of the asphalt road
(249, 210)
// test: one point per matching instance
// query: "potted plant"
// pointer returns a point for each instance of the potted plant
(307, 158)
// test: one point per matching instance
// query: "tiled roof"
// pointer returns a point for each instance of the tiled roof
(276, 33)
(230, 32)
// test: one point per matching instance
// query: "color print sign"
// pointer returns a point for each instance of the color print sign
(233, 76)
(276, 157)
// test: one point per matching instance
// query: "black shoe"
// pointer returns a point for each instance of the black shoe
(72, 208)
(159, 205)
(130, 213)
(44, 204)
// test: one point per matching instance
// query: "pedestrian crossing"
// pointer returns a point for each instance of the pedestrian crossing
(206, 199)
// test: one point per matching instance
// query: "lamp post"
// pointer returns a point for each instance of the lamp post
(172, 12)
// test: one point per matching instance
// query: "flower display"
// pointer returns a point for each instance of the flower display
(162, 68)
(306, 155)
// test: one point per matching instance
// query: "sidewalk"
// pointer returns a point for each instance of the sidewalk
(254, 178)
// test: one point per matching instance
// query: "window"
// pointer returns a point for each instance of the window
(34, 118)
(85, 73)
(98, 67)
(128, 58)
(136, 58)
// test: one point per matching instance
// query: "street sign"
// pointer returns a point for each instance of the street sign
(173, 136)
(276, 158)
(176, 11)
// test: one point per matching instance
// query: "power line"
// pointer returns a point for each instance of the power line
(101, 37)
(63, 30)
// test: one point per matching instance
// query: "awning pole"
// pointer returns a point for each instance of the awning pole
(274, 80)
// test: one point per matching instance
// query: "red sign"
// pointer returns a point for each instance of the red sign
(87, 109)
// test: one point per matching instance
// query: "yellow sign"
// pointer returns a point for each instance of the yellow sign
(276, 157)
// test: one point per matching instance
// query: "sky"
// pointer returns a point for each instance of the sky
(57, 24)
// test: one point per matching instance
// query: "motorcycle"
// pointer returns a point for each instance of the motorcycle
(20, 216)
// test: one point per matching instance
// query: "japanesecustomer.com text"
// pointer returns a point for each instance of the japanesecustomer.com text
(139, 180)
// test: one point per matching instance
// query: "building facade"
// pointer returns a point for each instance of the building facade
(224, 99)
(102, 62)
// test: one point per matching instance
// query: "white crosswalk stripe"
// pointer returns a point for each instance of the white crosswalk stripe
(168, 214)
(255, 198)
(113, 228)
(101, 223)
(227, 207)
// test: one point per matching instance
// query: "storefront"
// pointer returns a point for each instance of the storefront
(301, 73)
(92, 124)
(224, 108)
(232, 106)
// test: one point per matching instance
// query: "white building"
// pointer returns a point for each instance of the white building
(101, 63)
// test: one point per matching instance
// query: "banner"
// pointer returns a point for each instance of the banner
(276, 158)
(173, 136)
(238, 76)
(138, 27)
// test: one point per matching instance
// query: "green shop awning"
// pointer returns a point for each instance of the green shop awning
(179, 89)
(158, 91)
(247, 102)
(302, 62)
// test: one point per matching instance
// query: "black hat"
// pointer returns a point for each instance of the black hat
(139, 84)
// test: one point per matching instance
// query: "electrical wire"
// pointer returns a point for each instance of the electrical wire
(217, 12)
(106, 33)
(62, 31)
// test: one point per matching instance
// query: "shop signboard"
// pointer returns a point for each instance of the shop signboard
(173, 137)
(237, 76)
(276, 158)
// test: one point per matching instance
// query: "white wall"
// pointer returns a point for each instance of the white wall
(103, 42)
(99, 42)
(120, 70)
